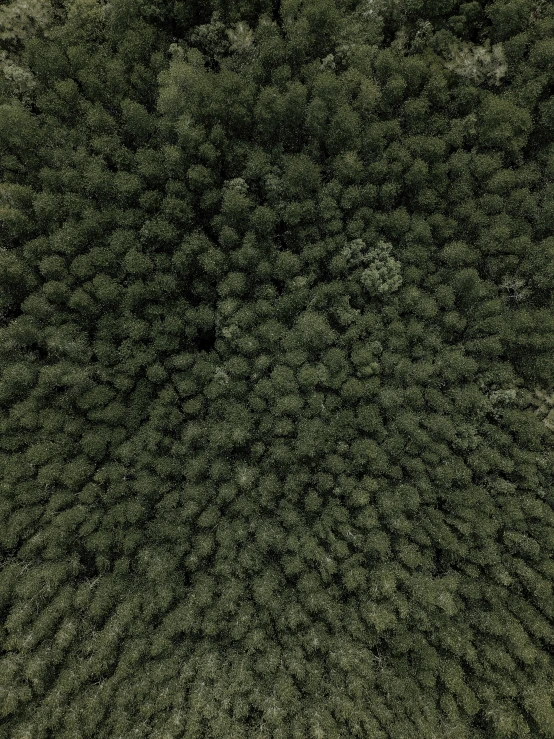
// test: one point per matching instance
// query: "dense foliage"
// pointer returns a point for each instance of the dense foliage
(276, 306)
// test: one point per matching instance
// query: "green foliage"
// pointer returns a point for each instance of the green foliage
(501, 118)
(381, 271)
(276, 369)
(20, 20)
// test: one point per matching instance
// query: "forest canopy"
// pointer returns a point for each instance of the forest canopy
(276, 369)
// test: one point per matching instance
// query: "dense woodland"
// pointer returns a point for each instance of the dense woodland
(276, 355)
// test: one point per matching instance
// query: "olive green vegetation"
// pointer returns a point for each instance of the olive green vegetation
(276, 286)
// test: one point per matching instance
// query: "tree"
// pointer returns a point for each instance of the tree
(500, 117)
(479, 63)
(274, 303)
